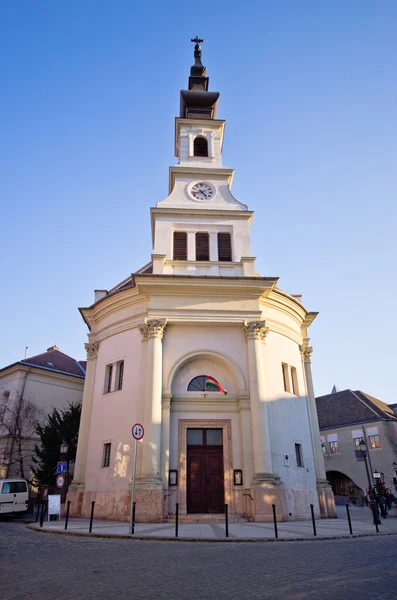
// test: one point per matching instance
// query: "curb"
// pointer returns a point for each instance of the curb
(150, 538)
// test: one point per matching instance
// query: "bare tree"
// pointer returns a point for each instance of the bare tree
(18, 420)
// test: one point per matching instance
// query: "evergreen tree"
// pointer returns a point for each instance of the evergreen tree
(59, 426)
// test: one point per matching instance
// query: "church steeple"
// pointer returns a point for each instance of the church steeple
(197, 102)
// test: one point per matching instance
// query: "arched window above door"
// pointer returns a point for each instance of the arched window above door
(205, 383)
(200, 146)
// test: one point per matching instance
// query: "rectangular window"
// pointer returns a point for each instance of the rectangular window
(287, 387)
(180, 245)
(224, 247)
(120, 375)
(202, 246)
(108, 379)
(373, 441)
(298, 454)
(106, 455)
(294, 377)
(334, 447)
(357, 442)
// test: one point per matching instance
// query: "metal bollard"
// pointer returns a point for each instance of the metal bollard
(349, 519)
(43, 509)
(133, 518)
(92, 514)
(275, 521)
(313, 521)
(227, 519)
(176, 518)
(67, 515)
(38, 506)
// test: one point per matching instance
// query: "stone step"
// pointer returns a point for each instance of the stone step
(207, 518)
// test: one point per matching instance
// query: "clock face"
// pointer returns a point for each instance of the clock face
(202, 191)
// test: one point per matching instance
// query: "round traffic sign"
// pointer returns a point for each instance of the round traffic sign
(60, 481)
(137, 431)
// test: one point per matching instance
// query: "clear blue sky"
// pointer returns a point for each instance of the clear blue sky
(309, 93)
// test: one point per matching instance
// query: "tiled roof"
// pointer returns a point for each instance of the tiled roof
(349, 407)
(55, 360)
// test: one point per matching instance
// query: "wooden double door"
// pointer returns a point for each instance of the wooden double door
(205, 474)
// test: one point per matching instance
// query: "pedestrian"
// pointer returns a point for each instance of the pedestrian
(383, 507)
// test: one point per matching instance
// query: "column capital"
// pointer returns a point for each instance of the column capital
(152, 328)
(255, 330)
(306, 352)
(92, 350)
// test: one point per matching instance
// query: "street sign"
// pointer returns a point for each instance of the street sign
(60, 481)
(61, 466)
(137, 431)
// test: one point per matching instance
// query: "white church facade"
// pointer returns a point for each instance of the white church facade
(212, 358)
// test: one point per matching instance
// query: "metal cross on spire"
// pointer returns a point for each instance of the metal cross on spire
(197, 41)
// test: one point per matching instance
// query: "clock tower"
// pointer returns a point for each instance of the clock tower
(200, 228)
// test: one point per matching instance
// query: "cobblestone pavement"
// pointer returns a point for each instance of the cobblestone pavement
(45, 566)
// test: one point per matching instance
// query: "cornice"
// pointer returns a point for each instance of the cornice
(200, 173)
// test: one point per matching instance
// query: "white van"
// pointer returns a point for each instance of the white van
(13, 496)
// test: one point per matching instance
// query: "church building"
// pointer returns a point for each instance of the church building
(212, 358)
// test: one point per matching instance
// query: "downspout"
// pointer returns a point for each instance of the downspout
(17, 417)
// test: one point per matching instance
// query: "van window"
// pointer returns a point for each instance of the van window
(14, 487)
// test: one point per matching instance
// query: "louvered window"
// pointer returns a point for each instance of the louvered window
(180, 245)
(224, 246)
(200, 146)
(202, 246)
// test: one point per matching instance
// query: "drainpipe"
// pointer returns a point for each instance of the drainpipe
(17, 417)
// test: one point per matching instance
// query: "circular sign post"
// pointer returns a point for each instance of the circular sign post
(60, 481)
(137, 434)
(138, 431)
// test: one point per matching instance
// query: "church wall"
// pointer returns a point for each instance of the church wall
(291, 411)
(114, 413)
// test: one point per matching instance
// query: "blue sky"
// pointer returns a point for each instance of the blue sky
(309, 93)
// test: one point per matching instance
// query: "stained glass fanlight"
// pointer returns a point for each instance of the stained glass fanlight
(205, 383)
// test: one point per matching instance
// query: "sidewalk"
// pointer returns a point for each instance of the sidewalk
(291, 530)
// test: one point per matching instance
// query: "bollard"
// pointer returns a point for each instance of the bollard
(176, 518)
(275, 521)
(38, 506)
(43, 508)
(227, 519)
(67, 515)
(313, 521)
(92, 514)
(349, 519)
(133, 518)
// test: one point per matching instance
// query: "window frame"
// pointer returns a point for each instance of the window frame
(106, 452)
(184, 234)
(370, 443)
(299, 455)
(119, 375)
(201, 155)
(294, 380)
(286, 377)
(202, 233)
(333, 447)
(229, 237)
(108, 379)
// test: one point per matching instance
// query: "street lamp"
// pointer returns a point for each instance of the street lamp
(64, 450)
(374, 505)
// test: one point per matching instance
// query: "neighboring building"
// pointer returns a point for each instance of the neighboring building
(212, 358)
(345, 418)
(51, 379)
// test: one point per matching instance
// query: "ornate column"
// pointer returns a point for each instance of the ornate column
(255, 334)
(326, 499)
(266, 485)
(78, 483)
(152, 331)
(165, 439)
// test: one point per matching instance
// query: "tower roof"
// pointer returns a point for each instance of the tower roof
(197, 102)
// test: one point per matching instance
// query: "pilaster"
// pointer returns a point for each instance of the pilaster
(325, 495)
(78, 483)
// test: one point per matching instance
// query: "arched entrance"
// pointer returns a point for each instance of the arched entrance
(344, 489)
